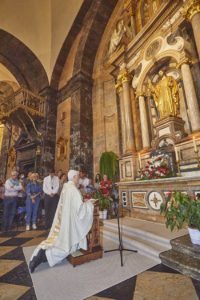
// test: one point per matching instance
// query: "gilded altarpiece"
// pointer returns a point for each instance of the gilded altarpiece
(149, 50)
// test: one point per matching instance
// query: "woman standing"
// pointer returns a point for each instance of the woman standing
(33, 192)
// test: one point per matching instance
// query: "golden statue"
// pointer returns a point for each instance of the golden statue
(166, 96)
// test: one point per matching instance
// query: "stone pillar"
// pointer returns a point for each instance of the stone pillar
(191, 97)
(119, 90)
(191, 11)
(125, 79)
(46, 161)
(144, 122)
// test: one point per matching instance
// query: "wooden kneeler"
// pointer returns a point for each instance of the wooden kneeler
(95, 249)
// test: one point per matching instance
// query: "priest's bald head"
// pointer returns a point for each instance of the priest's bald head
(73, 175)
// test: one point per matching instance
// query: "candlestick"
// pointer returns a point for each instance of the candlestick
(176, 153)
(194, 143)
(140, 162)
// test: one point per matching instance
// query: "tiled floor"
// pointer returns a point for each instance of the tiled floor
(158, 283)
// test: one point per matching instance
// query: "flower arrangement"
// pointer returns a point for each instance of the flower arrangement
(104, 201)
(180, 210)
(156, 167)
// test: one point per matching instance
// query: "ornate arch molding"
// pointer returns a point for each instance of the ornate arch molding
(170, 53)
(178, 50)
(22, 63)
(91, 21)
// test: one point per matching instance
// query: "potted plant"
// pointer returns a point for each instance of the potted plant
(181, 210)
(104, 204)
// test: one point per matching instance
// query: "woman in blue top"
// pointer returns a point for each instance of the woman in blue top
(33, 192)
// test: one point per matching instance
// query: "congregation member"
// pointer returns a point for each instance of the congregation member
(97, 181)
(59, 173)
(22, 193)
(62, 181)
(12, 188)
(72, 222)
(50, 189)
(83, 181)
(33, 192)
(105, 185)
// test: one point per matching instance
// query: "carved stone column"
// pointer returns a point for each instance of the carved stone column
(125, 80)
(191, 11)
(191, 97)
(144, 122)
(119, 90)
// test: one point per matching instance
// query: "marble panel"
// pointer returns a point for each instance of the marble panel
(63, 131)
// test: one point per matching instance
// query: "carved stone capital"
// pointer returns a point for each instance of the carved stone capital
(185, 60)
(118, 87)
(125, 76)
(191, 8)
(139, 94)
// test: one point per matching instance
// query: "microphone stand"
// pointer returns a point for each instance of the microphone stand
(120, 248)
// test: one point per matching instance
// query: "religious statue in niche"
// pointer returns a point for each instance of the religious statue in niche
(165, 95)
(61, 149)
(116, 37)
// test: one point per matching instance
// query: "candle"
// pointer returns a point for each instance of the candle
(176, 152)
(194, 143)
(140, 162)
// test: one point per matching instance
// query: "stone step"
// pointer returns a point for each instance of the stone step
(145, 230)
(145, 247)
(182, 263)
(184, 245)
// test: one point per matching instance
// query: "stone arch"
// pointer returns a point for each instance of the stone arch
(88, 26)
(22, 63)
(90, 22)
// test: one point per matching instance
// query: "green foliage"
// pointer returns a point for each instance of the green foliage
(109, 164)
(180, 210)
(104, 201)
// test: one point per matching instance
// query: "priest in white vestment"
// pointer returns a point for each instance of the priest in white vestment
(72, 222)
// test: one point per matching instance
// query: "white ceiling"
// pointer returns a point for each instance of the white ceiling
(42, 25)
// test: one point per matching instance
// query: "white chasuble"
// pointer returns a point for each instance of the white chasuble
(72, 222)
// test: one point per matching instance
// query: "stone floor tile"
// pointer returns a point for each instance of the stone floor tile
(164, 286)
(8, 265)
(16, 241)
(34, 242)
(19, 275)
(4, 239)
(30, 234)
(11, 291)
(6, 249)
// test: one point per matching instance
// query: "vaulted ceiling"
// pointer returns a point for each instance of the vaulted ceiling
(41, 25)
